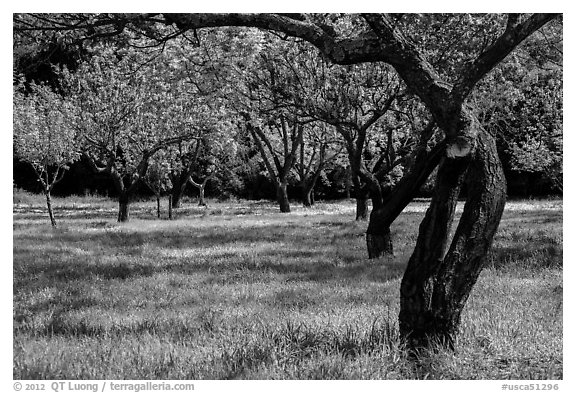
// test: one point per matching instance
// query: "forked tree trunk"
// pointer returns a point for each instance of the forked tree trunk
(282, 197)
(437, 284)
(123, 208)
(49, 205)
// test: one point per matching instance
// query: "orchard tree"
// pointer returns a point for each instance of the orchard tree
(181, 159)
(264, 96)
(197, 158)
(354, 99)
(278, 143)
(44, 136)
(125, 114)
(157, 178)
(209, 156)
(217, 158)
(197, 69)
(320, 147)
(441, 58)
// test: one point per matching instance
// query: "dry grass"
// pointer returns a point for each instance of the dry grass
(241, 291)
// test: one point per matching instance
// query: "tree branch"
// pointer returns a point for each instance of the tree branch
(94, 166)
(513, 36)
(418, 74)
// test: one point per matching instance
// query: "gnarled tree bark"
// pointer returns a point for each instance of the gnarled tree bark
(437, 284)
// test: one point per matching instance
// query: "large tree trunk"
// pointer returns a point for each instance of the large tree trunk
(123, 208)
(170, 206)
(378, 239)
(282, 197)
(437, 284)
(49, 205)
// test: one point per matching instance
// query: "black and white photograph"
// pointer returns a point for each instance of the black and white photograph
(286, 197)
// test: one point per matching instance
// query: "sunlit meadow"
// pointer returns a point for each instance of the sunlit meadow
(239, 290)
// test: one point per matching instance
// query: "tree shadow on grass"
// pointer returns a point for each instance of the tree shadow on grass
(291, 239)
(123, 256)
(54, 272)
(314, 251)
(526, 256)
(531, 217)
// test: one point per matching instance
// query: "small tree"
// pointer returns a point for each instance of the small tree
(319, 148)
(43, 136)
(264, 97)
(157, 178)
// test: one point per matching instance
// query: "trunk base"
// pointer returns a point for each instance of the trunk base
(282, 197)
(432, 334)
(379, 244)
(123, 211)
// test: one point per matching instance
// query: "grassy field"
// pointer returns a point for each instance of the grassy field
(238, 290)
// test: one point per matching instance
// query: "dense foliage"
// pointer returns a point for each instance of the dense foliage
(203, 86)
